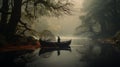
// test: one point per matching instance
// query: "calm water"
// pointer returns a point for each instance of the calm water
(84, 53)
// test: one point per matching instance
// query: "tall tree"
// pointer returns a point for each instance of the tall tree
(12, 10)
(4, 16)
(15, 17)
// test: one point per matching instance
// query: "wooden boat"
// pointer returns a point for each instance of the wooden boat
(55, 44)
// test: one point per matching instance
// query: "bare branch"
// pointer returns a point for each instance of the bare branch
(59, 7)
(26, 9)
(25, 25)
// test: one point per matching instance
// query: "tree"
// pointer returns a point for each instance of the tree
(104, 13)
(12, 11)
(4, 15)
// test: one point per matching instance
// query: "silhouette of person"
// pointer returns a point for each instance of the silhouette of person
(58, 39)
(58, 52)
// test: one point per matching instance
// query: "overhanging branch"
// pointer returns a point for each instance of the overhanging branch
(65, 8)
(24, 25)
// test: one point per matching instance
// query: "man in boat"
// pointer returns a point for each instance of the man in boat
(58, 39)
(58, 50)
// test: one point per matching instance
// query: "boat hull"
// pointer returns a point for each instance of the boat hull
(55, 44)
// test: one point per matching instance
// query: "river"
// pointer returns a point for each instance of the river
(85, 52)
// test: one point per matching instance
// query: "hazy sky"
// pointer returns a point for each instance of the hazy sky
(65, 25)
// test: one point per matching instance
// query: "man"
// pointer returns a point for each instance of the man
(58, 39)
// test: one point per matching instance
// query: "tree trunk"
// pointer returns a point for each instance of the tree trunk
(15, 17)
(4, 16)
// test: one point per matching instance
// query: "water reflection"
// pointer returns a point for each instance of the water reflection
(81, 53)
(51, 49)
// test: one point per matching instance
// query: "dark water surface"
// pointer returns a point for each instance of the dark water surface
(84, 53)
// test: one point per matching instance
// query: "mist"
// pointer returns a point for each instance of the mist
(61, 26)
(86, 20)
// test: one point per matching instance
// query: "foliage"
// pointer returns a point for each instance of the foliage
(47, 7)
(19, 15)
(105, 14)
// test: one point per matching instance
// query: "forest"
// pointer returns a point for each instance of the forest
(98, 19)
(17, 16)
(83, 33)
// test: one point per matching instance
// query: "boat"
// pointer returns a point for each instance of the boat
(55, 44)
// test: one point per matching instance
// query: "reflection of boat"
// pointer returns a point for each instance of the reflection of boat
(55, 44)
(46, 50)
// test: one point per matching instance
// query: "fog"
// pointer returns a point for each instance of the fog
(61, 26)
